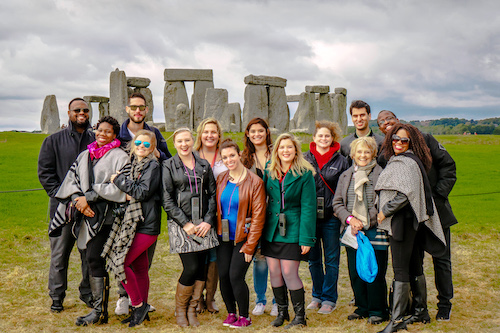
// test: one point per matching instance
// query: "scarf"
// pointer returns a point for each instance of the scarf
(123, 231)
(360, 207)
(98, 152)
(323, 159)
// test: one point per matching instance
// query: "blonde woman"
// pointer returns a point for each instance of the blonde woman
(290, 229)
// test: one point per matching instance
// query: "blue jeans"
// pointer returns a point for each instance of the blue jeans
(260, 273)
(327, 250)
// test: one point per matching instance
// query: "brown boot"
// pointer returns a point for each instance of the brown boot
(182, 297)
(193, 303)
(211, 286)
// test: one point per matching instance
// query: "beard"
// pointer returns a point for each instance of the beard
(133, 119)
(83, 125)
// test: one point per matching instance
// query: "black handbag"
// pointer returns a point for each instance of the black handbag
(72, 214)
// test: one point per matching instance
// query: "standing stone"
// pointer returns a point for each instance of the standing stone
(256, 103)
(118, 95)
(339, 108)
(182, 116)
(305, 116)
(292, 126)
(216, 106)
(89, 100)
(174, 94)
(198, 104)
(103, 109)
(146, 92)
(234, 115)
(49, 121)
(279, 113)
(325, 109)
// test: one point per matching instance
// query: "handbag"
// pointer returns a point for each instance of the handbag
(366, 262)
(72, 214)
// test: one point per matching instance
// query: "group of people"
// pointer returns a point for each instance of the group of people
(267, 204)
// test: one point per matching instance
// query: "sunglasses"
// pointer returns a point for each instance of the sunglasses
(145, 143)
(80, 110)
(396, 138)
(134, 107)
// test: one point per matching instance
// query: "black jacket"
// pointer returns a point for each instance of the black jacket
(145, 189)
(331, 172)
(442, 178)
(345, 144)
(177, 192)
(57, 154)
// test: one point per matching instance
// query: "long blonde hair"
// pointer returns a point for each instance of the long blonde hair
(201, 128)
(299, 164)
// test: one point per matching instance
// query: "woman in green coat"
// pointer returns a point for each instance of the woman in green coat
(290, 229)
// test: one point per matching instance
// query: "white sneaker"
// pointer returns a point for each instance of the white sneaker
(313, 305)
(122, 306)
(151, 308)
(274, 310)
(259, 309)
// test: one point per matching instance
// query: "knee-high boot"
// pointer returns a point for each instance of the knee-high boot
(298, 303)
(419, 290)
(211, 286)
(281, 298)
(193, 303)
(182, 297)
(100, 293)
(401, 297)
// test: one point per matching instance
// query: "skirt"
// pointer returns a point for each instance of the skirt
(285, 251)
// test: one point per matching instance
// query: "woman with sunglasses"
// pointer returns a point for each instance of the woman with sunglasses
(189, 201)
(408, 213)
(140, 226)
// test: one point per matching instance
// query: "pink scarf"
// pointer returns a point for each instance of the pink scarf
(98, 152)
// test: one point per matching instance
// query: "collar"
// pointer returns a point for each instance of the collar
(369, 133)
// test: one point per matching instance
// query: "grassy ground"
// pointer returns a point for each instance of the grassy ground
(24, 250)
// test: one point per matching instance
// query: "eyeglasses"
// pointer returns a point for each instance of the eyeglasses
(396, 138)
(386, 120)
(134, 107)
(80, 110)
(145, 143)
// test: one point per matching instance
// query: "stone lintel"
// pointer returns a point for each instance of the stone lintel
(181, 74)
(96, 99)
(318, 89)
(265, 80)
(138, 82)
(341, 90)
(293, 98)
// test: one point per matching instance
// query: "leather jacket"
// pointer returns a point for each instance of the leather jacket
(251, 208)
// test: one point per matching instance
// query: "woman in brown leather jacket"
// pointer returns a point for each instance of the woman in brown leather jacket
(241, 209)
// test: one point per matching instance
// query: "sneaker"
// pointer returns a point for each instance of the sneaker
(443, 314)
(151, 308)
(231, 319)
(327, 309)
(313, 305)
(122, 306)
(274, 310)
(242, 322)
(259, 309)
(355, 316)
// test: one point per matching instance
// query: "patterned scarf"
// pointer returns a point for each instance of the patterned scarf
(98, 152)
(360, 207)
(123, 231)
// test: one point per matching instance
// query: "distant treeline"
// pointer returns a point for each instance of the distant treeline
(450, 126)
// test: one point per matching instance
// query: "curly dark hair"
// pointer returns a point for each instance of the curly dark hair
(417, 144)
(112, 121)
(247, 155)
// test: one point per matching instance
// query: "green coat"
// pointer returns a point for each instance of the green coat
(300, 209)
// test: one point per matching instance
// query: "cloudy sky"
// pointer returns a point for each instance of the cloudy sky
(422, 59)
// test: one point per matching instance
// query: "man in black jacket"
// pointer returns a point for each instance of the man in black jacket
(57, 154)
(442, 177)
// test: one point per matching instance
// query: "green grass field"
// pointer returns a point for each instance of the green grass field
(24, 248)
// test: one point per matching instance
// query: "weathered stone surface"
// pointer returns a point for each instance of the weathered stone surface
(274, 131)
(318, 89)
(146, 92)
(198, 102)
(87, 100)
(279, 114)
(339, 102)
(293, 98)
(138, 82)
(103, 109)
(180, 74)
(300, 130)
(324, 109)
(160, 126)
(234, 115)
(341, 90)
(174, 94)
(182, 116)
(256, 103)
(273, 81)
(49, 121)
(216, 106)
(291, 125)
(118, 95)
(305, 116)
(96, 99)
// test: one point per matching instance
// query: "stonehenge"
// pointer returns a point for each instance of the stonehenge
(49, 121)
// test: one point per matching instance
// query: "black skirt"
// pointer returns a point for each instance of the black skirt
(286, 251)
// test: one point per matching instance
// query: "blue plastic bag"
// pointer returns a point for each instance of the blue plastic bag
(366, 262)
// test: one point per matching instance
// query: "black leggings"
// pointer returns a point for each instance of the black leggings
(193, 264)
(407, 256)
(95, 246)
(232, 270)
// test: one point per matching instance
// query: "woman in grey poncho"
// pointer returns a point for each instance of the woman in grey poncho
(407, 212)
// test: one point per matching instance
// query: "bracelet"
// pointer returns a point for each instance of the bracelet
(348, 221)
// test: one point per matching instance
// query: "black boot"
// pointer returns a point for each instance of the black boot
(419, 290)
(281, 298)
(299, 307)
(139, 315)
(401, 297)
(100, 292)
